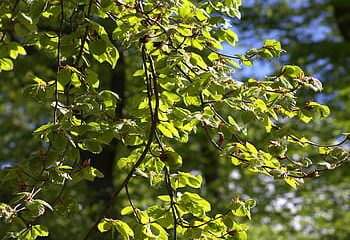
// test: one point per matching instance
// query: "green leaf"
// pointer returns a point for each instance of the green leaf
(248, 116)
(251, 148)
(183, 179)
(323, 150)
(102, 49)
(268, 124)
(239, 209)
(261, 105)
(303, 117)
(193, 203)
(292, 182)
(44, 128)
(193, 233)
(171, 158)
(92, 146)
(112, 55)
(265, 53)
(322, 109)
(185, 10)
(168, 129)
(64, 77)
(242, 235)
(98, 49)
(197, 44)
(164, 198)
(250, 202)
(165, 131)
(36, 8)
(92, 78)
(100, 30)
(6, 64)
(35, 208)
(154, 231)
(236, 161)
(15, 49)
(191, 100)
(292, 72)
(139, 73)
(90, 173)
(42, 202)
(127, 210)
(231, 37)
(197, 60)
(171, 97)
(39, 231)
(58, 140)
(272, 48)
(124, 229)
(213, 56)
(104, 226)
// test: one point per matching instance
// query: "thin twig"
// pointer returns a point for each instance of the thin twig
(65, 181)
(156, 94)
(132, 204)
(59, 195)
(155, 88)
(327, 146)
(171, 195)
(222, 54)
(5, 32)
(117, 191)
(207, 222)
(148, 81)
(55, 117)
(184, 73)
(84, 39)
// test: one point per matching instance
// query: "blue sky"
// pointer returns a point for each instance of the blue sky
(318, 30)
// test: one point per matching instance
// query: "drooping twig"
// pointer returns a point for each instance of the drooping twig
(116, 192)
(84, 39)
(118, 189)
(132, 204)
(59, 65)
(171, 196)
(4, 33)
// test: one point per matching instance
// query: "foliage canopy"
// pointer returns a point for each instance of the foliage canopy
(179, 85)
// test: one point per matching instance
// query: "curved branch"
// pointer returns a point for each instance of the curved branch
(171, 195)
(127, 179)
(132, 204)
(55, 117)
(116, 192)
(4, 33)
(84, 39)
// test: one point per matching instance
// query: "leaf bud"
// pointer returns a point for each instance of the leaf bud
(145, 39)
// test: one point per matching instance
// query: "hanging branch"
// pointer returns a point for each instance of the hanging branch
(84, 39)
(148, 81)
(132, 204)
(171, 196)
(147, 148)
(5, 32)
(59, 65)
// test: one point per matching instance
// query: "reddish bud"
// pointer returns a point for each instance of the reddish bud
(221, 138)
(86, 163)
